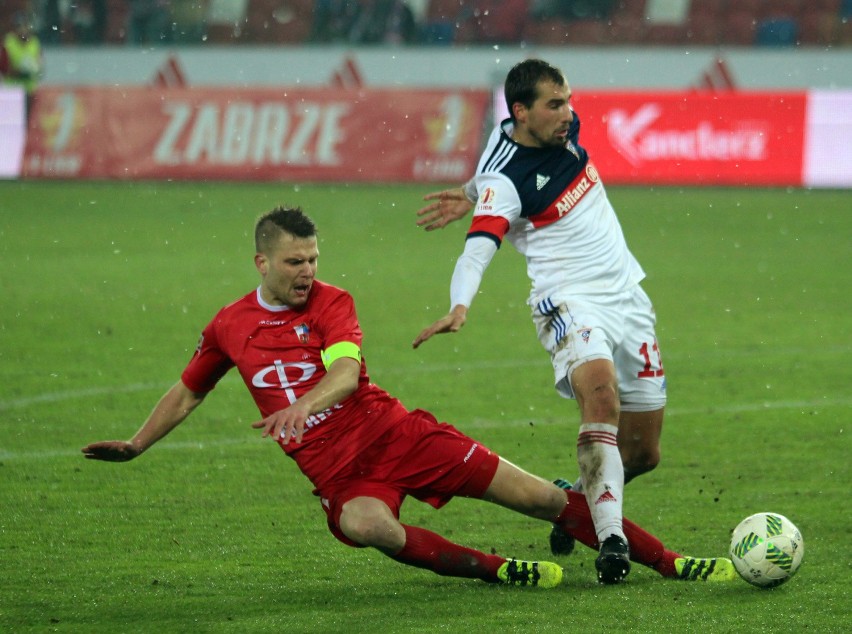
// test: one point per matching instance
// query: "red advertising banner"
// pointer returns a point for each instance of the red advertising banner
(376, 135)
(695, 138)
(255, 134)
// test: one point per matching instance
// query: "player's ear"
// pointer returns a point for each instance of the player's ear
(261, 263)
(519, 111)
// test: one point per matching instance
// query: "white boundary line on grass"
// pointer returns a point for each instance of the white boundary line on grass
(69, 395)
(472, 424)
(56, 397)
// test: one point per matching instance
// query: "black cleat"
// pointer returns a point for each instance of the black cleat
(613, 562)
(561, 543)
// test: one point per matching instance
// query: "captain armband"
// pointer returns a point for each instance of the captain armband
(339, 350)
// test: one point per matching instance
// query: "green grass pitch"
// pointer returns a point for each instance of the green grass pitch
(106, 286)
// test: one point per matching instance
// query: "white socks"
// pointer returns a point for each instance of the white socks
(602, 477)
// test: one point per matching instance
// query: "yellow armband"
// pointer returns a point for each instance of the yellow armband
(338, 350)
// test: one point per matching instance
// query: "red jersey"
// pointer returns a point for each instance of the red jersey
(278, 352)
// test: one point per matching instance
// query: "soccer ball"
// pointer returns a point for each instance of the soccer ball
(767, 549)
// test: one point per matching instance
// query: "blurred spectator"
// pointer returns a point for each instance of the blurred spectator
(667, 11)
(66, 21)
(492, 21)
(383, 22)
(332, 20)
(401, 27)
(149, 22)
(419, 10)
(189, 23)
(89, 20)
(572, 9)
(363, 22)
(777, 31)
(21, 58)
(52, 20)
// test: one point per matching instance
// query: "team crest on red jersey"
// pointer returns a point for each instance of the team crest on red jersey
(303, 332)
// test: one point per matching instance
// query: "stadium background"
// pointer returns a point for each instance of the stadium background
(723, 92)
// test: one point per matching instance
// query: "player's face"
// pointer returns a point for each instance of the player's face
(288, 271)
(546, 122)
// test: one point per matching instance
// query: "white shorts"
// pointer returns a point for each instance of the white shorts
(576, 329)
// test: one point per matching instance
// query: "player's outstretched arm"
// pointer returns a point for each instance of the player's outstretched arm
(170, 411)
(111, 451)
(447, 206)
(451, 322)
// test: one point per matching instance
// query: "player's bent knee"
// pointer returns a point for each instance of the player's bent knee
(600, 404)
(639, 463)
(531, 496)
(376, 531)
(544, 501)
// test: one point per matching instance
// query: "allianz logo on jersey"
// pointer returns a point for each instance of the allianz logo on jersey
(570, 198)
(581, 185)
(634, 136)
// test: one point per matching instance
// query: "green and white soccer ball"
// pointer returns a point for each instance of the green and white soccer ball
(767, 549)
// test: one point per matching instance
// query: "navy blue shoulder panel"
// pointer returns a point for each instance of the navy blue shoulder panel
(542, 175)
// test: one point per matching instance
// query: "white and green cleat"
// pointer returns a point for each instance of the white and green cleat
(543, 574)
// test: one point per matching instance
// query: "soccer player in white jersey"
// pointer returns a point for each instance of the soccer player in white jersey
(536, 187)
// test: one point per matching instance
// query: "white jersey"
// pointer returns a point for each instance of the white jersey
(551, 205)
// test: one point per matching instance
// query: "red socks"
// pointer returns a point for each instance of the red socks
(645, 549)
(429, 550)
(425, 549)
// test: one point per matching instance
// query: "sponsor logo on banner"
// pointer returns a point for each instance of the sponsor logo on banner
(57, 130)
(384, 135)
(642, 136)
(237, 133)
(448, 132)
(697, 137)
(257, 134)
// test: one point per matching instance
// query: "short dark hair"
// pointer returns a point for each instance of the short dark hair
(522, 82)
(290, 220)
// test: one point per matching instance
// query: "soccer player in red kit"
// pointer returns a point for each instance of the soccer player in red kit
(296, 342)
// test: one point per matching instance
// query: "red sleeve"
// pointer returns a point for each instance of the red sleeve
(209, 363)
(494, 227)
(340, 321)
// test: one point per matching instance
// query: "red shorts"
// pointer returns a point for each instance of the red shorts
(430, 461)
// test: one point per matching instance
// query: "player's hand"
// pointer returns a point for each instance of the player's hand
(111, 451)
(448, 206)
(286, 424)
(451, 322)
